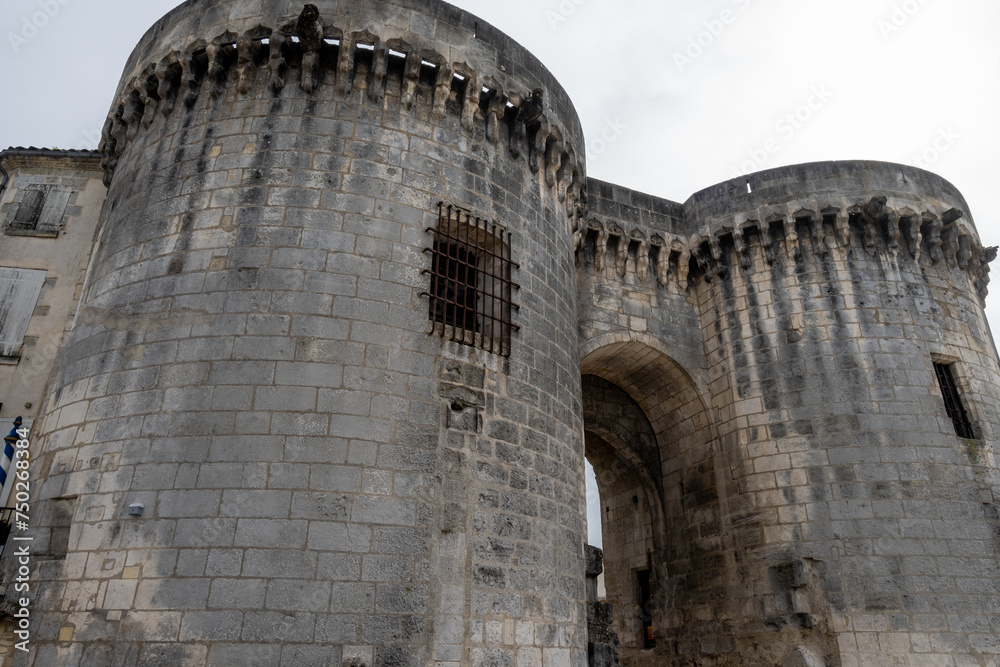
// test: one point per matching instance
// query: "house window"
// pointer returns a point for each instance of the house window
(953, 401)
(30, 209)
(19, 290)
(471, 286)
(40, 212)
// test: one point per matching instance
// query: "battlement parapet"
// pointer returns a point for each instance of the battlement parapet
(474, 76)
(870, 206)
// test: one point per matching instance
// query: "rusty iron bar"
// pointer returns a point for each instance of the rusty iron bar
(479, 310)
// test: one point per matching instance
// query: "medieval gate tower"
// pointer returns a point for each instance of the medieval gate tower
(307, 416)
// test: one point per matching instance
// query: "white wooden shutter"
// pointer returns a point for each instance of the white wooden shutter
(19, 290)
(52, 213)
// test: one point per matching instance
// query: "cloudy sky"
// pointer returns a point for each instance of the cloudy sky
(674, 95)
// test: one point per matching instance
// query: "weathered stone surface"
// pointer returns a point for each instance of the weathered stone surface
(751, 374)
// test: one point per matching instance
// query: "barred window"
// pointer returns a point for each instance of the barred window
(953, 401)
(471, 286)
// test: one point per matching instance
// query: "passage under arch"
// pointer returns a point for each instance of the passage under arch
(649, 437)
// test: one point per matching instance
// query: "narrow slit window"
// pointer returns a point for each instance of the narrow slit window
(646, 609)
(471, 289)
(953, 401)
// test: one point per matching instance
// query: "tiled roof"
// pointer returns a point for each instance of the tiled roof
(48, 152)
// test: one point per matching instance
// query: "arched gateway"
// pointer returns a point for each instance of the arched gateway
(355, 316)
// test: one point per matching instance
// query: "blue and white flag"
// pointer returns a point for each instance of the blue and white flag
(6, 461)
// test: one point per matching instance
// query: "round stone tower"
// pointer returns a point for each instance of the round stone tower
(790, 400)
(320, 404)
(857, 391)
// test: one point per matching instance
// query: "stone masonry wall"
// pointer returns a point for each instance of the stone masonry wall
(62, 252)
(323, 482)
(855, 509)
(641, 335)
(840, 502)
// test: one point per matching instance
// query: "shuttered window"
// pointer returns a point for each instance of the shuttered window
(30, 209)
(42, 209)
(19, 290)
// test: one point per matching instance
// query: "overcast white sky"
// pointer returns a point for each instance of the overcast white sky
(690, 92)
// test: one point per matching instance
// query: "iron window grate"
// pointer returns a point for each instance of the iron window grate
(471, 288)
(952, 401)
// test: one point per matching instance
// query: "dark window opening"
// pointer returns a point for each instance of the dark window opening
(952, 401)
(646, 609)
(471, 286)
(396, 66)
(428, 74)
(364, 60)
(453, 286)
(30, 209)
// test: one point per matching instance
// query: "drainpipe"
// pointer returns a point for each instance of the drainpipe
(3, 172)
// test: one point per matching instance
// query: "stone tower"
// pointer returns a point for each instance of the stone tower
(355, 315)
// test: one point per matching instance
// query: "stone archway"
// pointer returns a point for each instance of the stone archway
(650, 440)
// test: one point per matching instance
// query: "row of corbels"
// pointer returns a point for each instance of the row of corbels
(182, 75)
(608, 235)
(939, 237)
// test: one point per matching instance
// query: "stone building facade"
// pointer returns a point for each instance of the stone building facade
(49, 204)
(355, 316)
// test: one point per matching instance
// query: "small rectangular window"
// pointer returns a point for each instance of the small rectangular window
(471, 286)
(953, 401)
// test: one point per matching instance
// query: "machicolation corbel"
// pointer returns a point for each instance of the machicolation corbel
(147, 94)
(642, 259)
(277, 63)
(442, 90)
(600, 245)
(411, 78)
(376, 90)
(932, 231)
(168, 79)
(356, 60)
(191, 82)
(739, 240)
